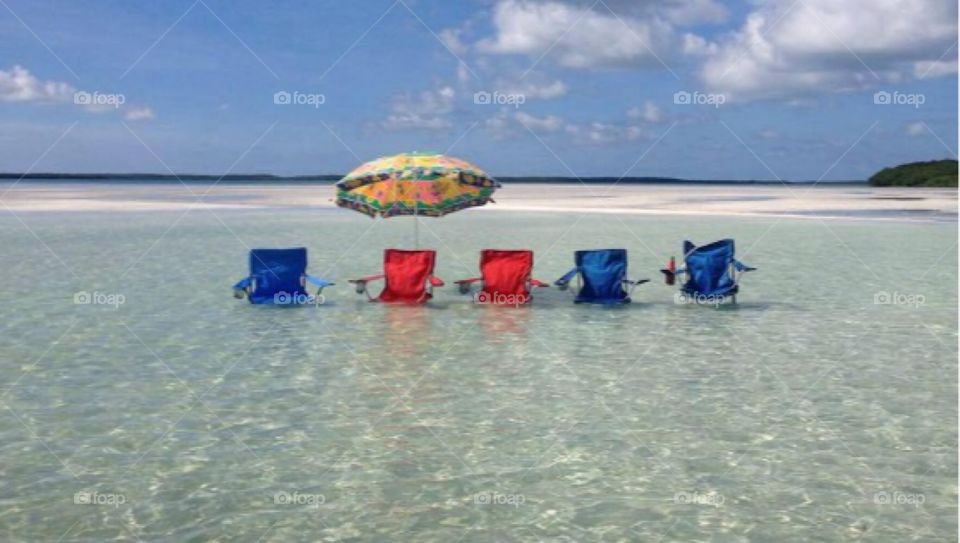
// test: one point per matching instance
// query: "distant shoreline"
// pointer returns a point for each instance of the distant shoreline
(325, 179)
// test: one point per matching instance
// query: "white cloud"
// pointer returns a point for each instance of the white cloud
(451, 38)
(691, 12)
(428, 110)
(934, 68)
(691, 44)
(19, 85)
(533, 88)
(411, 120)
(463, 73)
(596, 133)
(500, 125)
(498, 122)
(503, 125)
(788, 48)
(577, 36)
(139, 114)
(550, 123)
(916, 129)
(649, 113)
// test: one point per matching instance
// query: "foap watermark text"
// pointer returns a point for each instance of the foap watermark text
(697, 98)
(85, 497)
(112, 299)
(899, 498)
(884, 297)
(493, 497)
(497, 98)
(299, 499)
(297, 98)
(298, 298)
(499, 298)
(97, 98)
(694, 497)
(687, 298)
(897, 98)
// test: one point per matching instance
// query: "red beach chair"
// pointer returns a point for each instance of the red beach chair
(408, 277)
(505, 277)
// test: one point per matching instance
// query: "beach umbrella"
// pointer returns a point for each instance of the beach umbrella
(418, 184)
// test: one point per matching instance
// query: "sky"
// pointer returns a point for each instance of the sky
(702, 89)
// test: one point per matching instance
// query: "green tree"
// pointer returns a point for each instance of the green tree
(935, 173)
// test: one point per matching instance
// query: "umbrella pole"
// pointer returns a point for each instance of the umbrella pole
(416, 227)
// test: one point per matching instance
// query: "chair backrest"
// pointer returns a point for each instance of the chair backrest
(406, 275)
(602, 272)
(276, 271)
(708, 267)
(506, 274)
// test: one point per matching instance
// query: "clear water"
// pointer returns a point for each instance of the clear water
(806, 413)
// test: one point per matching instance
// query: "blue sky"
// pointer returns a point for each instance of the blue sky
(786, 88)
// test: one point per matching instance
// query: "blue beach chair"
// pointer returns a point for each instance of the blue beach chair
(279, 276)
(601, 276)
(712, 272)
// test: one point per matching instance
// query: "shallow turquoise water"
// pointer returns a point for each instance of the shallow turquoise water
(806, 413)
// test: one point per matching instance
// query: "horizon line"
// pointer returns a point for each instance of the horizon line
(249, 177)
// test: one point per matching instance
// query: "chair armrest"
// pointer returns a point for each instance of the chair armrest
(436, 281)
(242, 287)
(563, 281)
(362, 283)
(317, 281)
(366, 279)
(464, 284)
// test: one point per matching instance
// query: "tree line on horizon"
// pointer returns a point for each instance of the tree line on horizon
(933, 173)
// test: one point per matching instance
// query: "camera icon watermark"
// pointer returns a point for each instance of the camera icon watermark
(84, 297)
(97, 98)
(898, 298)
(897, 98)
(697, 98)
(497, 98)
(299, 499)
(711, 499)
(899, 498)
(297, 98)
(85, 497)
(498, 498)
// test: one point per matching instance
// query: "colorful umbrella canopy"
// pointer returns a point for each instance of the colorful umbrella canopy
(425, 184)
